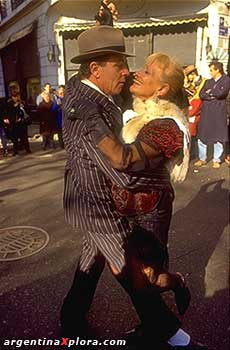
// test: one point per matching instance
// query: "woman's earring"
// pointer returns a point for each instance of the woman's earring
(156, 99)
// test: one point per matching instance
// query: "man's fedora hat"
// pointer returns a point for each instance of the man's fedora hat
(99, 41)
(189, 69)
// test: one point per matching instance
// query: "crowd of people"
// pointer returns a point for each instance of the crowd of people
(50, 115)
(15, 119)
(208, 111)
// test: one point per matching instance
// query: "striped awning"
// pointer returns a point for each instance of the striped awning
(73, 24)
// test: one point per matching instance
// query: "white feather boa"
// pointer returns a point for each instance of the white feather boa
(145, 111)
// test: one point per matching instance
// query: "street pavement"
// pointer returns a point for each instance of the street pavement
(32, 288)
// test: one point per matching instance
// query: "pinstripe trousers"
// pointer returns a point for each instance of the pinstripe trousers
(97, 249)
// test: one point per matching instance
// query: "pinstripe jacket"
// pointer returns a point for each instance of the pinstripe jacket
(88, 203)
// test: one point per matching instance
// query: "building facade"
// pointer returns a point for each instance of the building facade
(38, 37)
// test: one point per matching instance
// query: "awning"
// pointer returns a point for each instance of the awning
(3, 43)
(72, 24)
(161, 22)
(18, 35)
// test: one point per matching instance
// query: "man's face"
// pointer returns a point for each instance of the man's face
(213, 72)
(111, 75)
(147, 82)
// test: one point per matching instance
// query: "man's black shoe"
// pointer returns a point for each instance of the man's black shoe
(182, 295)
(72, 332)
(82, 333)
(193, 345)
(137, 340)
(134, 336)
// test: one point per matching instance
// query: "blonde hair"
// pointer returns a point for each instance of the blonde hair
(171, 74)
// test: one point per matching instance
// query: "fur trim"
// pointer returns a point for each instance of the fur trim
(149, 110)
(178, 172)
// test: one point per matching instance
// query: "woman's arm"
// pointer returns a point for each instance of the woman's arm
(156, 138)
(122, 156)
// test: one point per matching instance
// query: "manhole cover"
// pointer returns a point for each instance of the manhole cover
(18, 242)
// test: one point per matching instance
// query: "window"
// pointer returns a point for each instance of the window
(33, 88)
(3, 11)
(141, 47)
(16, 3)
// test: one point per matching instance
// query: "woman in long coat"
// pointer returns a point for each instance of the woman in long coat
(47, 119)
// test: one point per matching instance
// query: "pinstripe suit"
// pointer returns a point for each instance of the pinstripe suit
(87, 198)
(89, 208)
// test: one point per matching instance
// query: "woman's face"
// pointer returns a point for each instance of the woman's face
(47, 88)
(147, 83)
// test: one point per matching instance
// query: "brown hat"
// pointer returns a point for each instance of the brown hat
(99, 41)
(189, 69)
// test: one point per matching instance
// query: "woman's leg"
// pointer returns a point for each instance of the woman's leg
(4, 141)
(149, 250)
(160, 280)
(14, 138)
(51, 140)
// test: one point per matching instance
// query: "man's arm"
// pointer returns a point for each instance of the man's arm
(94, 128)
(162, 136)
(205, 92)
(222, 88)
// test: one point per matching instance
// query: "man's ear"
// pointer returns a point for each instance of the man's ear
(94, 69)
(163, 90)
